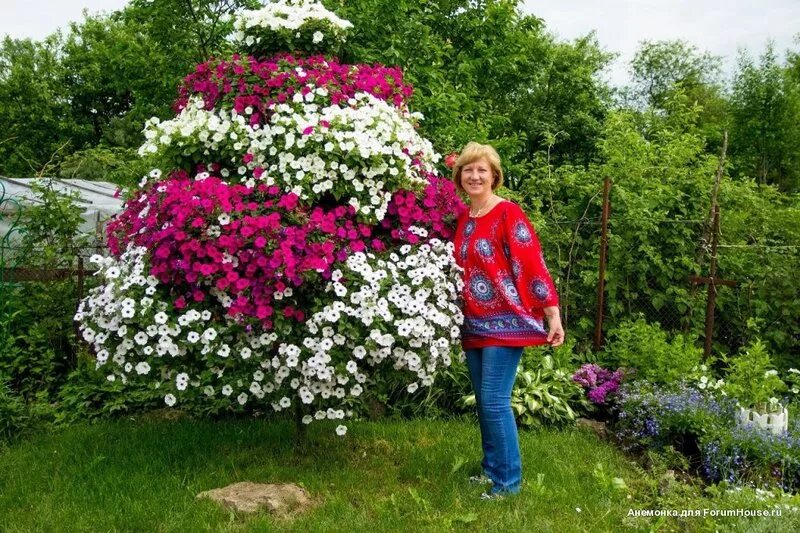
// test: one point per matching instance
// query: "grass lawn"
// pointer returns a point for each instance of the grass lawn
(143, 475)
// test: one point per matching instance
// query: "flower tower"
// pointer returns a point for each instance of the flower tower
(291, 244)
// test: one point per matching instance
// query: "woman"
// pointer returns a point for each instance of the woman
(508, 292)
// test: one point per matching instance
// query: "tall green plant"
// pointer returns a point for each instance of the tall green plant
(39, 348)
(753, 380)
(646, 348)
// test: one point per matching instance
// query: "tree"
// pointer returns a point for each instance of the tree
(659, 66)
(484, 71)
(188, 30)
(35, 117)
(660, 69)
(766, 121)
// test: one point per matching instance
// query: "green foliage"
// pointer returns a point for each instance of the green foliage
(97, 83)
(659, 66)
(39, 335)
(761, 229)
(752, 456)
(35, 116)
(483, 71)
(50, 228)
(440, 400)
(88, 394)
(122, 166)
(646, 348)
(765, 106)
(117, 78)
(678, 414)
(187, 32)
(751, 378)
(544, 393)
(13, 415)
(660, 197)
(39, 349)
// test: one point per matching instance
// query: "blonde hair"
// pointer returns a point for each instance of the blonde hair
(474, 152)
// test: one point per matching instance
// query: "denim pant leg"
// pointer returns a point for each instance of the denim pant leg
(499, 370)
(475, 366)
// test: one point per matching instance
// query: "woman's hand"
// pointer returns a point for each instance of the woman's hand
(555, 334)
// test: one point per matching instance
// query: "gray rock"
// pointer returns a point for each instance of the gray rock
(599, 428)
(281, 499)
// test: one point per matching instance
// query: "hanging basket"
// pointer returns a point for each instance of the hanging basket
(776, 422)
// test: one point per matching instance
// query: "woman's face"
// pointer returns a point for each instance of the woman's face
(477, 178)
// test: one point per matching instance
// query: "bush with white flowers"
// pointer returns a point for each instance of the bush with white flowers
(296, 250)
(304, 25)
(361, 153)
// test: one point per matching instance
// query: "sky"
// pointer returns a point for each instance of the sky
(720, 27)
(717, 26)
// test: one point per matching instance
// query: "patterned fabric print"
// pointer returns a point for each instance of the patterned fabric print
(481, 288)
(463, 251)
(510, 290)
(544, 265)
(522, 233)
(469, 228)
(504, 325)
(506, 285)
(484, 248)
(539, 289)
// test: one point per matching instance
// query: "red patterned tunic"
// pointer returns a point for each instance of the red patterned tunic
(506, 282)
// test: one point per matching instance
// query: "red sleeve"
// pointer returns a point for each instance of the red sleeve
(524, 253)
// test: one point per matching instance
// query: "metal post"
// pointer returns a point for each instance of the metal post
(712, 286)
(598, 329)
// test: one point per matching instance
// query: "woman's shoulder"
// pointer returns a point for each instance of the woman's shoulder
(510, 208)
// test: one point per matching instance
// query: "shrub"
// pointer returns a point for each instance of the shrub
(294, 251)
(88, 393)
(39, 344)
(544, 392)
(13, 415)
(36, 328)
(598, 382)
(657, 416)
(752, 455)
(752, 380)
(646, 348)
(701, 423)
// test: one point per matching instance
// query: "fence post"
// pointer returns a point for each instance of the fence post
(598, 328)
(712, 286)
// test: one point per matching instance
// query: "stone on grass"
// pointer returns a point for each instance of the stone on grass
(599, 428)
(282, 499)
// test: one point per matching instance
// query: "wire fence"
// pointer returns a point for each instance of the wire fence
(643, 286)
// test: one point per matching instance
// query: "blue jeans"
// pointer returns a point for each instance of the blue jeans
(492, 370)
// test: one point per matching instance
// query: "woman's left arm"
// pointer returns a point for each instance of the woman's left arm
(530, 271)
(555, 331)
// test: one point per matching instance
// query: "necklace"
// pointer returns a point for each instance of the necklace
(481, 211)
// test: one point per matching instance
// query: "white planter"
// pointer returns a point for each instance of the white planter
(777, 422)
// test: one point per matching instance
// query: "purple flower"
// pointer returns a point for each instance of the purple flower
(598, 381)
